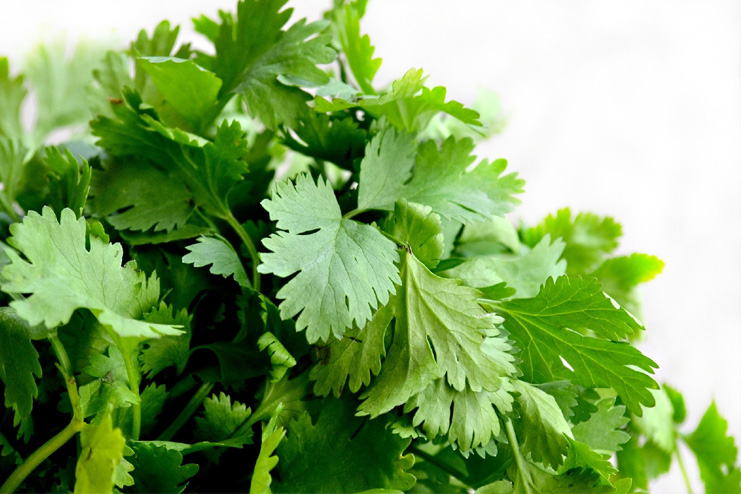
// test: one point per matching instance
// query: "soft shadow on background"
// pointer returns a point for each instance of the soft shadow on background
(630, 109)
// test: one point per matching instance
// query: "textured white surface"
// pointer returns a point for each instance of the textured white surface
(630, 109)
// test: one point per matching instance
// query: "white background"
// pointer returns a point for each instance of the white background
(630, 109)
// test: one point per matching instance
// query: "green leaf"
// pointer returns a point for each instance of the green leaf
(349, 269)
(19, 363)
(581, 456)
(272, 435)
(169, 351)
(356, 356)
(716, 453)
(12, 162)
(588, 238)
(152, 402)
(357, 48)
(280, 359)
(61, 85)
(419, 228)
(488, 237)
(102, 449)
(69, 182)
(222, 420)
(349, 454)
(603, 430)
(12, 94)
(209, 170)
(387, 165)
(469, 418)
(620, 275)
(335, 139)
(135, 195)
(220, 255)
(190, 89)
(62, 275)
(440, 314)
(656, 422)
(441, 178)
(158, 469)
(546, 328)
(525, 274)
(254, 57)
(407, 104)
(541, 429)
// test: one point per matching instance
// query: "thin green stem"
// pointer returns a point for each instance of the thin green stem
(237, 227)
(352, 213)
(187, 412)
(684, 471)
(29, 465)
(61, 353)
(521, 469)
(133, 375)
(434, 461)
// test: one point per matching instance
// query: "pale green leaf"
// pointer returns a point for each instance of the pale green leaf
(19, 363)
(102, 449)
(546, 328)
(218, 253)
(345, 268)
(61, 275)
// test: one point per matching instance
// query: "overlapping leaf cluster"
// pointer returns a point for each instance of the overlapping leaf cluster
(260, 272)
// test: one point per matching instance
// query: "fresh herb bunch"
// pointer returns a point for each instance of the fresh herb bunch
(258, 272)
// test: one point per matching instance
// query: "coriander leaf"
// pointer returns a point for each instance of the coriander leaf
(642, 463)
(441, 181)
(345, 268)
(188, 88)
(159, 469)
(220, 255)
(581, 456)
(356, 356)
(387, 165)
(603, 430)
(545, 329)
(526, 274)
(488, 237)
(280, 359)
(620, 275)
(152, 401)
(133, 194)
(656, 422)
(328, 138)
(19, 363)
(716, 453)
(357, 49)
(12, 94)
(542, 429)
(469, 418)
(102, 449)
(12, 161)
(440, 314)
(209, 170)
(168, 351)
(588, 238)
(350, 454)
(254, 57)
(69, 182)
(419, 228)
(272, 435)
(61, 85)
(62, 275)
(222, 419)
(407, 104)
